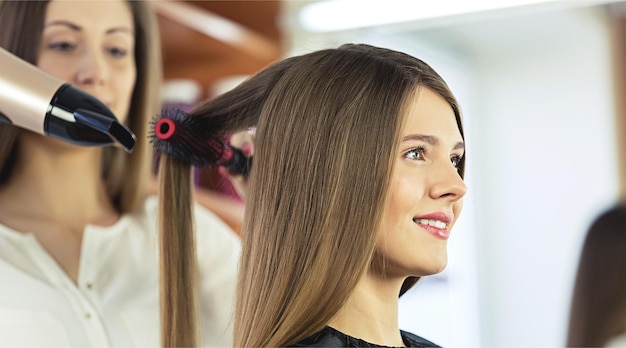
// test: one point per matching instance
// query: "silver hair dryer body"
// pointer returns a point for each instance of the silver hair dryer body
(34, 100)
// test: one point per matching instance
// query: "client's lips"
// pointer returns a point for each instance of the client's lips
(435, 223)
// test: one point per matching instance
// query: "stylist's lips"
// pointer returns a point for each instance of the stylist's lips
(435, 223)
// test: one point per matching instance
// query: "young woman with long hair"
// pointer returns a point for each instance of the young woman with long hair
(598, 309)
(78, 229)
(355, 184)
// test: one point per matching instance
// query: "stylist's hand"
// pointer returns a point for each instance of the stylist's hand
(243, 141)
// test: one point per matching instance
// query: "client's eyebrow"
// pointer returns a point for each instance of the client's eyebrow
(432, 140)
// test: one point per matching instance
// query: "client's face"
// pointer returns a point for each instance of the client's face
(426, 190)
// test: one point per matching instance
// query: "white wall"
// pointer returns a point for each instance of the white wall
(536, 92)
(544, 164)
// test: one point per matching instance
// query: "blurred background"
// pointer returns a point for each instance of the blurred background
(541, 86)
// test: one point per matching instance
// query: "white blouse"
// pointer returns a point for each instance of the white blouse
(115, 301)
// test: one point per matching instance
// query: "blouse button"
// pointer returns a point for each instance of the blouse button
(89, 285)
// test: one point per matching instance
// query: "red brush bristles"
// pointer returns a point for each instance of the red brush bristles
(176, 134)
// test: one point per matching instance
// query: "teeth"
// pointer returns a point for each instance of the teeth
(434, 223)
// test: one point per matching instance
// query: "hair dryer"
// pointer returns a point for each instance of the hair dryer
(34, 100)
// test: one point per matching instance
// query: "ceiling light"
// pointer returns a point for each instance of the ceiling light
(336, 15)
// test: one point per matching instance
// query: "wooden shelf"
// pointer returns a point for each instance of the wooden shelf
(210, 40)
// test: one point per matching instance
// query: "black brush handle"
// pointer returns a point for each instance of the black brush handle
(236, 162)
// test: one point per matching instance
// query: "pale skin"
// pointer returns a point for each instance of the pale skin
(244, 141)
(425, 181)
(56, 188)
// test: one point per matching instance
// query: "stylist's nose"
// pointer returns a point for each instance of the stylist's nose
(92, 69)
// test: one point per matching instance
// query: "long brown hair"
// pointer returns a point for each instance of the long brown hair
(598, 309)
(127, 176)
(327, 125)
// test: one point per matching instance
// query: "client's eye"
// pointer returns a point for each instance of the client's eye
(417, 153)
(456, 161)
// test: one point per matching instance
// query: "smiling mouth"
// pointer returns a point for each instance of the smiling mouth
(430, 222)
(436, 228)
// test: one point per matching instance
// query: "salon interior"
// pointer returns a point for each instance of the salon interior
(541, 86)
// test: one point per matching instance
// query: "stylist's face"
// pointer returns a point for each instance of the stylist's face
(90, 44)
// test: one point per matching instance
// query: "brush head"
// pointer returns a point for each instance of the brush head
(191, 140)
(186, 138)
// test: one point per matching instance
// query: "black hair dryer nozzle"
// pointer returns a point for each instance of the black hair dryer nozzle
(35, 100)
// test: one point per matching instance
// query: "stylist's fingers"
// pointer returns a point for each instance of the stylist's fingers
(243, 141)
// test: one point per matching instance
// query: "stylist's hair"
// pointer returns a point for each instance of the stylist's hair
(328, 128)
(127, 176)
(598, 310)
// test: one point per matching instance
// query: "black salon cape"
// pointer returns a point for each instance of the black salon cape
(330, 337)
